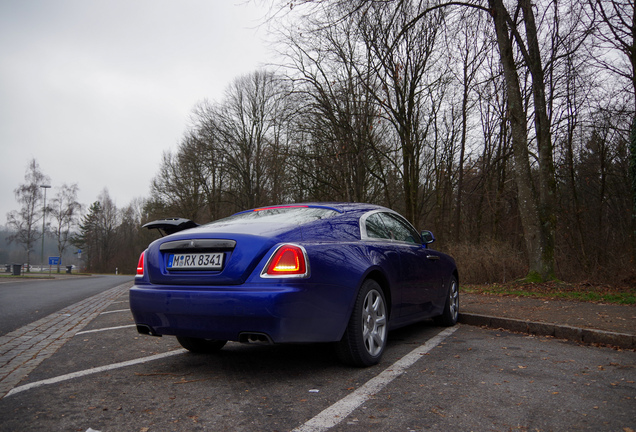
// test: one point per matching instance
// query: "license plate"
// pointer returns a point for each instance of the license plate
(195, 261)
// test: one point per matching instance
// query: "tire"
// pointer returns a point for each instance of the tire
(365, 338)
(448, 318)
(201, 346)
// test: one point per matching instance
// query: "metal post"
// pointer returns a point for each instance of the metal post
(45, 187)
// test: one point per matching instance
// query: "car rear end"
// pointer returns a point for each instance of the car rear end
(261, 277)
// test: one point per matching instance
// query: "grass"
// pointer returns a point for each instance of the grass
(33, 275)
(625, 295)
(40, 275)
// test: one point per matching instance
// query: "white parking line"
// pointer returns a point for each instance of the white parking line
(337, 412)
(105, 329)
(325, 420)
(115, 311)
(93, 371)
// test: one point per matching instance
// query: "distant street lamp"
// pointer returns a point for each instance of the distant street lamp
(45, 187)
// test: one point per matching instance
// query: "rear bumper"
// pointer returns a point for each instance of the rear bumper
(285, 313)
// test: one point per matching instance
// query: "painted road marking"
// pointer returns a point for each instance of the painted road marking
(337, 412)
(105, 329)
(115, 311)
(93, 371)
(323, 421)
(25, 348)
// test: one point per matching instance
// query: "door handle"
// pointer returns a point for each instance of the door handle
(432, 257)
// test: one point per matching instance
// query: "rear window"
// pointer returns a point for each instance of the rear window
(291, 215)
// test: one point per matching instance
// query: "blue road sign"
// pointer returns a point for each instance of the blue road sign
(53, 261)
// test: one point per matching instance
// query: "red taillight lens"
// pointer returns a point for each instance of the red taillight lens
(140, 265)
(289, 260)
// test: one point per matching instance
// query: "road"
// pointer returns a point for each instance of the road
(106, 377)
(23, 301)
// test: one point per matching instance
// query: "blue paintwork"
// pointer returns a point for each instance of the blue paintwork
(222, 304)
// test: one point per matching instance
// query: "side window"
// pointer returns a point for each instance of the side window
(375, 227)
(399, 229)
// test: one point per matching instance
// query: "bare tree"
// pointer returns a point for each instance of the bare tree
(382, 113)
(339, 153)
(397, 71)
(65, 211)
(536, 207)
(405, 64)
(98, 234)
(248, 125)
(131, 238)
(616, 33)
(233, 156)
(24, 222)
(536, 215)
(468, 47)
(177, 189)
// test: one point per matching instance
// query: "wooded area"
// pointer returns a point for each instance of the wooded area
(501, 125)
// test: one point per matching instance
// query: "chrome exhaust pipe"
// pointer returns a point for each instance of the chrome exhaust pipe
(146, 330)
(255, 338)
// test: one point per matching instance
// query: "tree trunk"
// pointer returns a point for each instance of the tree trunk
(527, 196)
(462, 151)
(547, 179)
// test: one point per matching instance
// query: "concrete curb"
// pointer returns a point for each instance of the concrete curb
(576, 334)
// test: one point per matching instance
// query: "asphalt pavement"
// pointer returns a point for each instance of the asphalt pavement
(26, 299)
(466, 378)
(22, 350)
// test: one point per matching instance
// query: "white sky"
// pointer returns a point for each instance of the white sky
(97, 90)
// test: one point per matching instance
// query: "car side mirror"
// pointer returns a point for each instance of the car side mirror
(427, 237)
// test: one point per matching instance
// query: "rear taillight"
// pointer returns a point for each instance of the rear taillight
(287, 261)
(140, 265)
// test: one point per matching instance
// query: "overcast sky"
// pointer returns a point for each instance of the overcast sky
(97, 90)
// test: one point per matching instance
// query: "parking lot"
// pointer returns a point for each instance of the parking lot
(106, 377)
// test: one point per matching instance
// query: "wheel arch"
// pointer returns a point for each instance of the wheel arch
(382, 280)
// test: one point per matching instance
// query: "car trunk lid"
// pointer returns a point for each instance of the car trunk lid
(210, 255)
